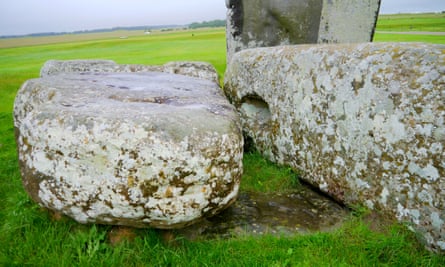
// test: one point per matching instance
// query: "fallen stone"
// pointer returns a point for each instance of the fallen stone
(364, 122)
(55, 67)
(263, 23)
(135, 149)
(202, 70)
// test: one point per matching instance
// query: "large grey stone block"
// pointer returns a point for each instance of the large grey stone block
(364, 122)
(202, 70)
(262, 23)
(139, 149)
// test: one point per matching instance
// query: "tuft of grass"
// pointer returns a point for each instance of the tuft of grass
(261, 175)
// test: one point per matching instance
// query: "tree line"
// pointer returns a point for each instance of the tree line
(194, 25)
(208, 24)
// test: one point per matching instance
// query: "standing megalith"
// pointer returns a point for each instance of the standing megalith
(262, 23)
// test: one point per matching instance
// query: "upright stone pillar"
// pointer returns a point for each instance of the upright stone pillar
(261, 23)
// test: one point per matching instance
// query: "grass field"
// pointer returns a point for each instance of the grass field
(29, 236)
(429, 24)
(426, 22)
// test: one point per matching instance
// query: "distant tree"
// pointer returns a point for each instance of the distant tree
(208, 24)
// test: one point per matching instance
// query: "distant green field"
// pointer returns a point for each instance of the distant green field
(427, 22)
(29, 236)
(393, 37)
(21, 63)
(432, 23)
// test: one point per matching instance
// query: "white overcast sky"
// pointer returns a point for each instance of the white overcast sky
(36, 16)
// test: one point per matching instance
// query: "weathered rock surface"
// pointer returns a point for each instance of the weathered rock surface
(261, 23)
(300, 212)
(196, 69)
(364, 122)
(137, 149)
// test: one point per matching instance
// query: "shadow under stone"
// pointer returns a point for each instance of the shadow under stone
(297, 212)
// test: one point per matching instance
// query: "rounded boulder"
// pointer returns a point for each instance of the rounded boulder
(138, 149)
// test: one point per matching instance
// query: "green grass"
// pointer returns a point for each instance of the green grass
(427, 22)
(388, 37)
(30, 237)
(35, 240)
(260, 175)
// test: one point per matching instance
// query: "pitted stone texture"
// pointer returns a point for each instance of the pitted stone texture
(55, 67)
(364, 122)
(202, 70)
(138, 149)
(263, 23)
